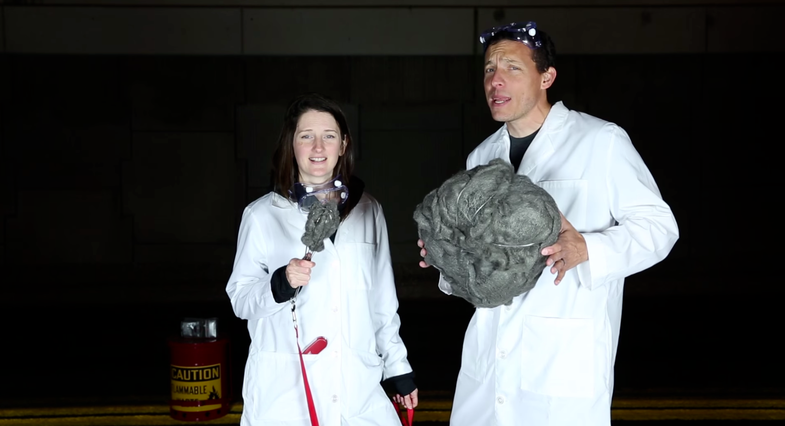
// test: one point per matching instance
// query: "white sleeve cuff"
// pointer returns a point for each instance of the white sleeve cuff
(590, 273)
(584, 274)
(444, 286)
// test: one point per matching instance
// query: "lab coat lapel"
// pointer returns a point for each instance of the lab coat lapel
(499, 147)
(542, 147)
(295, 219)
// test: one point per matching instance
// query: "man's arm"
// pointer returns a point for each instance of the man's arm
(568, 252)
(645, 229)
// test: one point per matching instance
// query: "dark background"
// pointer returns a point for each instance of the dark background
(132, 139)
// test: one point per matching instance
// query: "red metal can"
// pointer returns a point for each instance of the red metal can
(201, 378)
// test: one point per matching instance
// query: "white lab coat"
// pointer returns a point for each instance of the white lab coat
(547, 359)
(350, 300)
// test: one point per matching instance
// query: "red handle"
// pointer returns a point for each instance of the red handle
(408, 418)
(410, 415)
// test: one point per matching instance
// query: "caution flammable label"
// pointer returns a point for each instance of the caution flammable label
(196, 383)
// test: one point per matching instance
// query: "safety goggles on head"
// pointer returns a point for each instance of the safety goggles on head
(525, 33)
(308, 195)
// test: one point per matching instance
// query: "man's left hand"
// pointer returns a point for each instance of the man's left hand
(568, 251)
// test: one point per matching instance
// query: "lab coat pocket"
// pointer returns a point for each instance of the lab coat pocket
(558, 356)
(358, 262)
(273, 388)
(361, 380)
(571, 197)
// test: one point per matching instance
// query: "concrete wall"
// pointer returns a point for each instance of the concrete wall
(589, 27)
(133, 136)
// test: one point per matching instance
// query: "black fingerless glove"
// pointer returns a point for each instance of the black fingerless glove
(402, 385)
(279, 285)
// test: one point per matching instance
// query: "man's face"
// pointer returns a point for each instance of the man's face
(513, 86)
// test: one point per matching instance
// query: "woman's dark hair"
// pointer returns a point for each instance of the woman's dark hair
(285, 171)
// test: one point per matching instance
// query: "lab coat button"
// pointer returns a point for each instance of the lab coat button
(335, 398)
(335, 309)
(502, 354)
(500, 400)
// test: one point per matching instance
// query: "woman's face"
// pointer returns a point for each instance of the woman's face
(317, 145)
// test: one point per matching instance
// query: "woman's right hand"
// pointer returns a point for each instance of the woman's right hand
(409, 401)
(298, 272)
(423, 252)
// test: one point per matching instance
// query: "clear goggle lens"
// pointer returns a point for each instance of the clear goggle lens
(309, 195)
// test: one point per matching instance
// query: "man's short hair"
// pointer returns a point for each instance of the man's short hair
(544, 56)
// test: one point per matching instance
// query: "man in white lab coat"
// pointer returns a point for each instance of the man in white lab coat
(547, 359)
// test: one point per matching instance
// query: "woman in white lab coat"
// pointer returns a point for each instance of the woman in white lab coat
(347, 294)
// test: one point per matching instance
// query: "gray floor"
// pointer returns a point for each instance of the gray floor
(707, 345)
